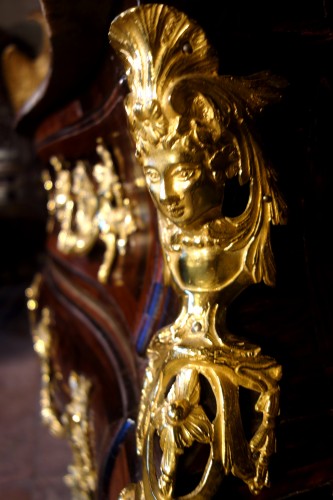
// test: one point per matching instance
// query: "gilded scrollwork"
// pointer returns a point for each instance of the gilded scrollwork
(42, 342)
(180, 421)
(73, 422)
(82, 475)
(90, 206)
(194, 133)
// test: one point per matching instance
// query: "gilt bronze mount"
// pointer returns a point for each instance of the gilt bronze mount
(193, 131)
(90, 205)
(73, 423)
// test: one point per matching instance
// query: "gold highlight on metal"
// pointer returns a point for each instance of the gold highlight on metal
(42, 342)
(90, 207)
(42, 345)
(82, 475)
(73, 423)
(193, 131)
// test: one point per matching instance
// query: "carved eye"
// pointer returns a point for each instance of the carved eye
(184, 174)
(152, 174)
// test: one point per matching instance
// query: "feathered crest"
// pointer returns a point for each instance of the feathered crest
(177, 101)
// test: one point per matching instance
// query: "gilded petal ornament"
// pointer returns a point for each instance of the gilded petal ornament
(181, 419)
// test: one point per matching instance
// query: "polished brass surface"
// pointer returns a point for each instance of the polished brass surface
(73, 423)
(193, 134)
(90, 208)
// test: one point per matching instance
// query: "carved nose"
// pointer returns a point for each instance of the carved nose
(168, 195)
(170, 200)
(163, 194)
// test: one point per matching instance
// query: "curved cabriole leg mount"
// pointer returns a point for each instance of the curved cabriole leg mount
(73, 422)
(192, 130)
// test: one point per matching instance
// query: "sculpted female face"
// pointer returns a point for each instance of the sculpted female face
(183, 188)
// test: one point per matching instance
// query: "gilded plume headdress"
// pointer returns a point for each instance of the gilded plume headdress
(177, 101)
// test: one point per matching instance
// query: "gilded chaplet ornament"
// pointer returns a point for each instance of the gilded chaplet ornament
(193, 133)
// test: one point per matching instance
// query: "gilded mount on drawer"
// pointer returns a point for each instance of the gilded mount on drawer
(73, 423)
(193, 131)
(90, 208)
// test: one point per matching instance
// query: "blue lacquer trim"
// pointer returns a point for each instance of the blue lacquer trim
(148, 318)
(120, 437)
